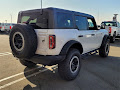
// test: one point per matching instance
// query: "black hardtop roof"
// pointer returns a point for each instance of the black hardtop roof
(108, 21)
(59, 10)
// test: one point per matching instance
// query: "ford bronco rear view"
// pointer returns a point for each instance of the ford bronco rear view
(55, 36)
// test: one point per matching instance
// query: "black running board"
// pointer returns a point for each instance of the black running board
(94, 52)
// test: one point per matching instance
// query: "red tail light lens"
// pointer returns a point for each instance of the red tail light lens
(110, 29)
(10, 27)
(52, 42)
(0, 27)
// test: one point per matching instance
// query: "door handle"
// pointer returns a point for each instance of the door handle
(80, 36)
(92, 34)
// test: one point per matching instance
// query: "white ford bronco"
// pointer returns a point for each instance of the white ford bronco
(113, 28)
(55, 36)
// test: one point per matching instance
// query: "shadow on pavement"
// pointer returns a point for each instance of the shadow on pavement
(117, 43)
(4, 33)
(96, 74)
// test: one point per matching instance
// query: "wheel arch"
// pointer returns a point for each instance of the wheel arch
(105, 38)
(71, 44)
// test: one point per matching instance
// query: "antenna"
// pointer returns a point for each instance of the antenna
(41, 8)
(11, 17)
(98, 16)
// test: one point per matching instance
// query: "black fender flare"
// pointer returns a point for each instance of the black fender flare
(105, 38)
(69, 45)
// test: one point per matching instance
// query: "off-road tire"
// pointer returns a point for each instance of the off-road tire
(27, 63)
(112, 38)
(29, 37)
(104, 49)
(64, 68)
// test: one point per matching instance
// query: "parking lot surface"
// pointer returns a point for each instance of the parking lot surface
(96, 73)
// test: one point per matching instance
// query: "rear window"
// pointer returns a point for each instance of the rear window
(37, 20)
(64, 20)
(13, 24)
(103, 24)
(2, 24)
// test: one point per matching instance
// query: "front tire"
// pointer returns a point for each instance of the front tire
(104, 49)
(70, 67)
(27, 63)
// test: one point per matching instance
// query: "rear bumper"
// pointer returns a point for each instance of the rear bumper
(47, 60)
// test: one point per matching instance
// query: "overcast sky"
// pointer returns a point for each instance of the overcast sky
(102, 10)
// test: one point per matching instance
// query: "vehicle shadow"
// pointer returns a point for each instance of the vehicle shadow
(116, 44)
(45, 80)
(4, 33)
(96, 74)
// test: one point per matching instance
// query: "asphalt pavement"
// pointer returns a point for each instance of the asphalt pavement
(96, 73)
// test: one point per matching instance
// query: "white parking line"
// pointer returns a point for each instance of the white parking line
(18, 74)
(13, 82)
(6, 53)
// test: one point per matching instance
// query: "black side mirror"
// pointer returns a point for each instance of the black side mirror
(98, 26)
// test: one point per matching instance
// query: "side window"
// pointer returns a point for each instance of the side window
(81, 22)
(92, 24)
(64, 20)
(24, 19)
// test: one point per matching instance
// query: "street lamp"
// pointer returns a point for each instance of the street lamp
(11, 17)
(41, 8)
(6, 21)
(115, 17)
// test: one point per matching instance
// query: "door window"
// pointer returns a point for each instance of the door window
(92, 24)
(81, 23)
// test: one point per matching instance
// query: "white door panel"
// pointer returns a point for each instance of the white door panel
(98, 38)
(86, 38)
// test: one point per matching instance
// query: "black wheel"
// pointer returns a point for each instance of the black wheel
(70, 67)
(27, 63)
(112, 39)
(23, 41)
(104, 49)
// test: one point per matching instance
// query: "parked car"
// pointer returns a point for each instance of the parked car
(113, 28)
(2, 27)
(9, 26)
(56, 36)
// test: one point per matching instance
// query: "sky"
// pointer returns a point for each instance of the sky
(102, 10)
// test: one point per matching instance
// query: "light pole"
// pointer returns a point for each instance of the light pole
(11, 17)
(41, 8)
(6, 21)
(41, 4)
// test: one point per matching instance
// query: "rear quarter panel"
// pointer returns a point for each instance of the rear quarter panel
(62, 37)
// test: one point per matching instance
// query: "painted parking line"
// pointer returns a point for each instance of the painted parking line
(18, 80)
(6, 53)
(18, 74)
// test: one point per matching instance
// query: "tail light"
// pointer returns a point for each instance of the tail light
(52, 41)
(0, 27)
(10, 27)
(110, 29)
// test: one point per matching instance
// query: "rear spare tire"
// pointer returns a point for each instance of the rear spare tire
(23, 41)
